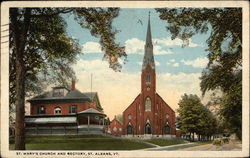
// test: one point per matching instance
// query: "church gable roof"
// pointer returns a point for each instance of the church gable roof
(132, 103)
(115, 119)
(165, 102)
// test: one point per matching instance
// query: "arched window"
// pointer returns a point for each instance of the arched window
(148, 79)
(167, 116)
(129, 129)
(41, 110)
(148, 129)
(167, 129)
(58, 111)
(148, 104)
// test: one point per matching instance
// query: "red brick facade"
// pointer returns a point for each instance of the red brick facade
(148, 113)
(48, 103)
(65, 107)
(115, 127)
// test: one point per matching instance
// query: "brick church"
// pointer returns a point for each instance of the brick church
(149, 114)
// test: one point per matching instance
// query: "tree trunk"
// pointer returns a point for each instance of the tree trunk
(20, 37)
(20, 112)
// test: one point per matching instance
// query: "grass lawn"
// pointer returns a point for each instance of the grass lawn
(80, 142)
(165, 142)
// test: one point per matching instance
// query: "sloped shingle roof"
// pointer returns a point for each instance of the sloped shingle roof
(75, 94)
(91, 111)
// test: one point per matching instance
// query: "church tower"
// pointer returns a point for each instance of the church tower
(148, 65)
(148, 85)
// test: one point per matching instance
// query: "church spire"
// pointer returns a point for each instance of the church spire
(148, 55)
(149, 37)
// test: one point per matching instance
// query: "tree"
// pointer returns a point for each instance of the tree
(40, 50)
(189, 114)
(194, 117)
(224, 70)
(207, 125)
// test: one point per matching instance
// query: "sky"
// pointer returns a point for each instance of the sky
(177, 68)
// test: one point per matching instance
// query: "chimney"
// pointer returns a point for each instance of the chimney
(73, 85)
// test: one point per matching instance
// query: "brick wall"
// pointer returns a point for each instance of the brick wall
(115, 127)
(64, 107)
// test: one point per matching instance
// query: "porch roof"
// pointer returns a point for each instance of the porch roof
(65, 119)
(91, 111)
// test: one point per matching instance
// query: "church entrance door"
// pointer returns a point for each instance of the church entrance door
(148, 129)
(129, 129)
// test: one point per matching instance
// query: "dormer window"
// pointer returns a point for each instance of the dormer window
(58, 93)
(148, 79)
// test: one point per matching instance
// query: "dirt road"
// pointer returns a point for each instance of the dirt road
(232, 146)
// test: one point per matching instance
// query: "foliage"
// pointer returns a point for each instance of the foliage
(99, 22)
(224, 70)
(189, 113)
(194, 117)
(49, 51)
(220, 141)
(207, 125)
(41, 51)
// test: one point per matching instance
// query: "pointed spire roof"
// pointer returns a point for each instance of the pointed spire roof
(149, 37)
(148, 55)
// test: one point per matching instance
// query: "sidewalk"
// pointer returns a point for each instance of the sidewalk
(171, 147)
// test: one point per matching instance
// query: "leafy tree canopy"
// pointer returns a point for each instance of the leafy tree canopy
(194, 117)
(224, 70)
(49, 52)
(41, 52)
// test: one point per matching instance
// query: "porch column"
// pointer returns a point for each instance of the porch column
(103, 121)
(103, 125)
(88, 122)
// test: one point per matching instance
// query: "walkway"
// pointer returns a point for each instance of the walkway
(231, 146)
(170, 147)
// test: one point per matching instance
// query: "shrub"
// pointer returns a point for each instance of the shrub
(217, 141)
(220, 141)
(225, 140)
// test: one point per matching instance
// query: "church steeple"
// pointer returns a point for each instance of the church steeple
(148, 55)
(149, 37)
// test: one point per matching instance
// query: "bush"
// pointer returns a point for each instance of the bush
(217, 141)
(221, 141)
(225, 140)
